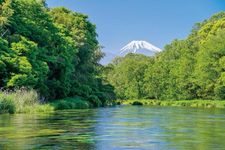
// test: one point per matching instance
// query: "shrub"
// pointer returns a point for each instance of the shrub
(22, 101)
(220, 92)
(23, 97)
(95, 100)
(70, 103)
(6, 105)
(136, 103)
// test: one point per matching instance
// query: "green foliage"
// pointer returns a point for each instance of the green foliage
(187, 69)
(29, 71)
(5, 13)
(127, 75)
(6, 105)
(85, 82)
(70, 103)
(95, 100)
(22, 101)
(176, 103)
(137, 103)
(54, 51)
(6, 63)
(24, 98)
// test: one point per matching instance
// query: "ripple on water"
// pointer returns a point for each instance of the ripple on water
(124, 127)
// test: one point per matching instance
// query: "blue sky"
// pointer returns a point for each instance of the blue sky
(156, 21)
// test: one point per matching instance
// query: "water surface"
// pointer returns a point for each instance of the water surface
(124, 127)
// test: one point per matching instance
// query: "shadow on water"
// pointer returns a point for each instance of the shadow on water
(124, 127)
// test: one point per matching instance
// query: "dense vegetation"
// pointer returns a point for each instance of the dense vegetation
(22, 101)
(175, 103)
(188, 69)
(54, 51)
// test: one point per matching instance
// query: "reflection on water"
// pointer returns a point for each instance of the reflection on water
(125, 127)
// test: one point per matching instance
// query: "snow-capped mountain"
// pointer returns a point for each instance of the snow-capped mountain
(134, 46)
(141, 47)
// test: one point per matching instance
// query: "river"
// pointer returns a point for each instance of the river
(122, 127)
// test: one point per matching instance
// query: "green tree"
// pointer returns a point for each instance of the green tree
(6, 62)
(5, 13)
(127, 75)
(209, 71)
(192, 68)
(87, 82)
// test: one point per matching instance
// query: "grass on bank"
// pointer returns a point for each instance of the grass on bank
(22, 101)
(28, 101)
(184, 103)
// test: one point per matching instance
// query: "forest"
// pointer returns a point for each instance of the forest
(193, 68)
(53, 53)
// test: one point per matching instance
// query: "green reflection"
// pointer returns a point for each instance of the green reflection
(129, 127)
(61, 130)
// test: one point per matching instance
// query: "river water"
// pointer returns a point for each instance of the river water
(122, 127)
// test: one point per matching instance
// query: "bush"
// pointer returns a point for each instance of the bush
(21, 101)
(95, 100)
(23, 97)
(220, 92)
(174, 103)
(6, 105)
(70, 103)
(136, 103)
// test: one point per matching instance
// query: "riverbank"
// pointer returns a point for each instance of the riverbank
(22, 101)
(180, 103)
(28, 101)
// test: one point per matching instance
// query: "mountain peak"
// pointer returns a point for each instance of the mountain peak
(133, 46)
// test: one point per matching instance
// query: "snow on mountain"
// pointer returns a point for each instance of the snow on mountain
(134, 46)
(141, 47)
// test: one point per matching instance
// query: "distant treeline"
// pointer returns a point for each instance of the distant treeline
(54, 51)
(193, 68)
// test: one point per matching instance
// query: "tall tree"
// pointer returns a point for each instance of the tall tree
(5, 13)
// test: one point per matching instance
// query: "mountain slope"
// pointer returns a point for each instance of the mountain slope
(134, 46)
